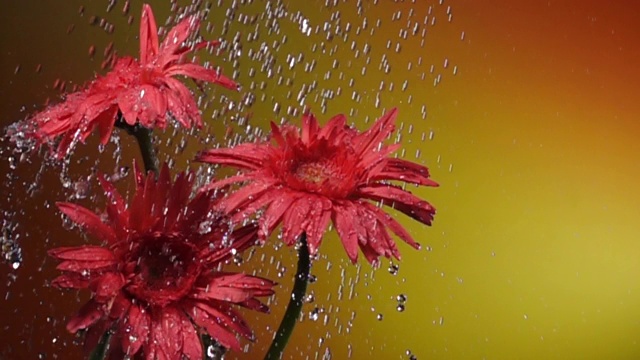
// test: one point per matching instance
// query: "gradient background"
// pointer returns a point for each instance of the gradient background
(531, 129)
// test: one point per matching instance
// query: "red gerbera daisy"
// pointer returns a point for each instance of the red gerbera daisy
(156, 282)
(141, 91)
(322, 174)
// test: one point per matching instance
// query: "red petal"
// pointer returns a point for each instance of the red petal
(119, 306)
(403, 170)
(180, 193)
(370, 139)
(255, 304)
(335, 125)
(88, 220)
(88, 315)
(107, 286)
(274, 213)
(84, 266)
(148, 35)
(296, 218)
(309, 128)
(177, 109)
(343, 221)
(166, 337)
(256, 204)
(191, 346)
(246, 194)
(319, 218)
(112, 193)
(135, 326)
(128, 102)
(178, 34)
(232, 321)
(400, 200)
(244, 156)
(219, 333)
(370, 254)
(83, 253)
(241, 239)
(105, 123)
(392, 224)
(199, 72)
(189, 108)
(152, 105)
(276, 135)
(224, 294)
(243, 281)
(71, 281)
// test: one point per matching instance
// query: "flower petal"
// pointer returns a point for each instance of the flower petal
(296, 218)
(136, 324)
(403, 170)
(178, 34)
(165, 337)
(229, 319)
(395, 226)
(105, 123)
(199, 72)
(400, 200)
(244, 156)
(82, 253)
(72, 281)
(219, 333)
(274, 213)
(148, 35)
(107, 286)
(343, 220)
(88, 315)
(370, 139)
(88, 220)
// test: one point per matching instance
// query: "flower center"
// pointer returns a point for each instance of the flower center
(314, 172)
(165, 270)
(322, 177)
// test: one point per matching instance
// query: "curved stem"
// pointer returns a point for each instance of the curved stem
(143, 137)
(294, 307)
(149, 158)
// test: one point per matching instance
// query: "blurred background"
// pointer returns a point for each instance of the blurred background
(525, 112)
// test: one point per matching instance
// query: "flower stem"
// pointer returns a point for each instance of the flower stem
(149, 158)
(294, 307)
(143, 137)
(100, 352)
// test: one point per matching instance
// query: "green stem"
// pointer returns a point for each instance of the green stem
(100, 352)
(294, 307)
(149, 158)
(143, 137)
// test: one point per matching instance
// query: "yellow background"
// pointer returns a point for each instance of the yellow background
(531, 130)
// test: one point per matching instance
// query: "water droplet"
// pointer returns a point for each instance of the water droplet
(314, 314)
(393, 269)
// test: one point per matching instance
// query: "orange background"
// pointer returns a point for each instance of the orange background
(533, 137)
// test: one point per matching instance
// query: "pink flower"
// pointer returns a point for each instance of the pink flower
(156, 280)
(326, 174)
(141, 91)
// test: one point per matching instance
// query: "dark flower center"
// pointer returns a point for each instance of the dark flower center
(163, 270)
